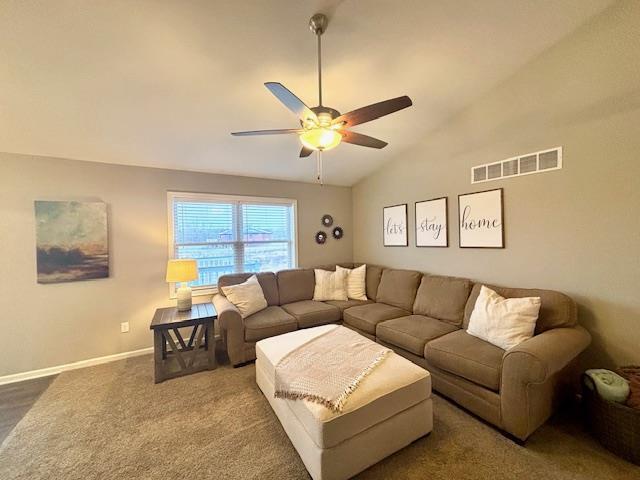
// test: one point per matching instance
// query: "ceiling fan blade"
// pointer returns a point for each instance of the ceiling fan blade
(268, 132)
(305, 152)
(371, 112)
(290, 101)
(362, 140)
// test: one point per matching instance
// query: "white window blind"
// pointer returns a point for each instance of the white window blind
(231, 234)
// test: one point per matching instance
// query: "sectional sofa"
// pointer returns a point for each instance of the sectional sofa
(424, 318)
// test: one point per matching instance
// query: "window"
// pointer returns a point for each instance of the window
(231, 234)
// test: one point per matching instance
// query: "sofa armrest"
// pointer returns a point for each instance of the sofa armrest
(231, 328)
(532, 374)
(537, 359)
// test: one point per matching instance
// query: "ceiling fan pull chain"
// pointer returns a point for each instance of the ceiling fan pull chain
(319, 167)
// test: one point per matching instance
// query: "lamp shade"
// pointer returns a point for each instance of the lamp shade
(183, 270)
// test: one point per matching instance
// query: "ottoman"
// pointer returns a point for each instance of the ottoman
(390, 409)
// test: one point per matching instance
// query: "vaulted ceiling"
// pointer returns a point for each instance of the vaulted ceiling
(162, 84)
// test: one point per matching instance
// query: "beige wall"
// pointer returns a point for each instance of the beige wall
(48, 325)
(576, 230)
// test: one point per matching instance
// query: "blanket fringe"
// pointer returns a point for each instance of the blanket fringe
(338, 405)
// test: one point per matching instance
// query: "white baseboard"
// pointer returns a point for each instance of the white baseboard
(45, 372)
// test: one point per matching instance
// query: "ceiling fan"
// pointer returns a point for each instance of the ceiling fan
(323, 128)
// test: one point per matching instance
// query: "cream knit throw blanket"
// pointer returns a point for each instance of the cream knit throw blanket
(328, 368)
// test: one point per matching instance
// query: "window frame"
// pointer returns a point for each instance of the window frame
(172, 196)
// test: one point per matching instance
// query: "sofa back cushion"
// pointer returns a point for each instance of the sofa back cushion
(443, 298)
(398, 288)
(332, 266)
(372, 279)
(296, 285)
(557, 309)
(267, 281)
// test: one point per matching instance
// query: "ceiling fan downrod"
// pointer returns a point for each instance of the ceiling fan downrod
(318, 25)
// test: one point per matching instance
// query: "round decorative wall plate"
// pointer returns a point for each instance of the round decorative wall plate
(337, 233)
(327, 220)
(321, 238)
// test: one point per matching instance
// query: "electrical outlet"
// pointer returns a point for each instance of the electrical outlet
(124, 327)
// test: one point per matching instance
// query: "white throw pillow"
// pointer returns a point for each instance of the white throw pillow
(504, 322)
(248, 296)
(330, 285)
(356, 281)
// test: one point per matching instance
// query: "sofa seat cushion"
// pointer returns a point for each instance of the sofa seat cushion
(466, 356)
(267, 323)
(310, 313)
(344, 304)
(412, 332)
(366, 317)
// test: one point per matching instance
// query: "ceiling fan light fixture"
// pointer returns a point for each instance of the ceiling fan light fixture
(322, 139)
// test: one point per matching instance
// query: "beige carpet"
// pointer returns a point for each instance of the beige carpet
(112, 422)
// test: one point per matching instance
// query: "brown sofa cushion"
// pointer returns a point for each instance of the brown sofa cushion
(310, 313)
(557, 309)
(412, 332)
(332, 266)
(398, 288)
(344, 304)
(296, 285)
(267, 323)
(468, 357)
(374, 273)
(267, 281)
(443, 298)
(366, 317)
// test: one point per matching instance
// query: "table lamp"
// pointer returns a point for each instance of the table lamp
(182, 271)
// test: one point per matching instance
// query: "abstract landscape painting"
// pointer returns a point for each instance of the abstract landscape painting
(72, 241)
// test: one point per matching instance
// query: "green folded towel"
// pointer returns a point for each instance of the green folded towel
(609, 385)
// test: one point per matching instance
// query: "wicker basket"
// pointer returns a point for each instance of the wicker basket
(616, 426)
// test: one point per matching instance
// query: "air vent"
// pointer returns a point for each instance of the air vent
(548, 160)
(509, 168)
(527, 164)
(479, 174)
(494, 171)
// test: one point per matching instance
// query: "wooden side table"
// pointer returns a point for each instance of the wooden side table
(184, 357)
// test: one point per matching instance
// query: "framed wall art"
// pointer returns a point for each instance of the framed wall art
(432, 229)
(71, 241)
(394, 226)
(480, 219)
